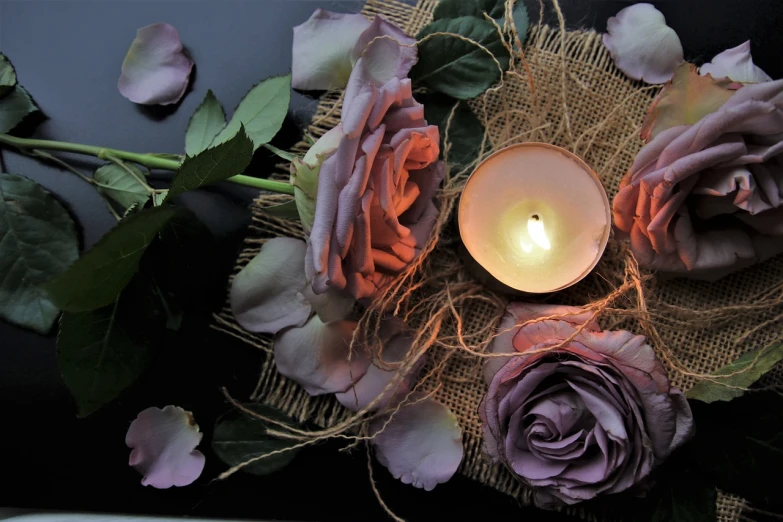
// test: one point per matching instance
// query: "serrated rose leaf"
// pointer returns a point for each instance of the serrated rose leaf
(261, 112)
(39, 241)
(457, 67)
(99, 276)
(102, 352)
(14, 108)
(207, 121)
(746, 370)
(122, 184)
(214, 164)
(239, 437)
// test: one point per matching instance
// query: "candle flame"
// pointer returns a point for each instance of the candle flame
(535, 227)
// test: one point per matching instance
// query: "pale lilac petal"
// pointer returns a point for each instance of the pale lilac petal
(163, 444)
(332, 305)
(156, 69)
(642, 45)
(511, 338)
(395, 341)
(317, 356)
(322, 49)
(737, 64)
(266, 295)
(421, 445)
(394, 59)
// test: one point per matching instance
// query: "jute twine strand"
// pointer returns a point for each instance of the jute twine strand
(562, 88)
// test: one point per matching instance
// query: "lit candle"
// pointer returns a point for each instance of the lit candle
(535, 216)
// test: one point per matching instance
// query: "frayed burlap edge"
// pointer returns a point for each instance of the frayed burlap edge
(563, 90)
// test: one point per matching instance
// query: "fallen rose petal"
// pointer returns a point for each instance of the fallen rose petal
(394, 56)
(396, 343)
(421, 445)
(156, 69)
(266, 295)
(736, 64)
(163, 446)
(322, 50)
(642, 45)
(317, 356)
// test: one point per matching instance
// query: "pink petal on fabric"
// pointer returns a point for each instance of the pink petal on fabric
(737, 64)
(322, 50)
(317, 356)
(642, 45)
(266, 296)
(421, 445)
(163, 446)
(395, 341)
(156, 69)
(394, 58)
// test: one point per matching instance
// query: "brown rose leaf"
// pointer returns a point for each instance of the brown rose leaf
(686, 99)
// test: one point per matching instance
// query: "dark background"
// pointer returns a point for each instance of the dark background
(67, 54)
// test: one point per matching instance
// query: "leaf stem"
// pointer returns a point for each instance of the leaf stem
(148, 160)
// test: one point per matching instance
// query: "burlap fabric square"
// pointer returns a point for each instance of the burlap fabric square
(564, 90)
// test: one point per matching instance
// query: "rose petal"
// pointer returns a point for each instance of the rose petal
(163, 446)
(421, 445)
(266, 295)
(510, 338)
(685, 100)
(322, 49)
(390, 59)
(396, 343)
(736, 64)
(156, 69)
(332, 305)
(317, 356)
(642, 45)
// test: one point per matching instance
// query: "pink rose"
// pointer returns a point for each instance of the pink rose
(374, 207)
(590, 418)
(706, 198)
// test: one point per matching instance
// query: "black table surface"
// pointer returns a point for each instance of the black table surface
(67, 53)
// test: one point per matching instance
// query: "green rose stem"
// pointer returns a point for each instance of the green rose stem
(148, 160)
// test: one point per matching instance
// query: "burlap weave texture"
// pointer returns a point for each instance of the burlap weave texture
(566, 92)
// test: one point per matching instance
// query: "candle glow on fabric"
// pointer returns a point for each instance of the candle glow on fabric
(535, 217)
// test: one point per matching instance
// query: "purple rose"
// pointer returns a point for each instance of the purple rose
(591, 418)
(706, 198)
(374, 207)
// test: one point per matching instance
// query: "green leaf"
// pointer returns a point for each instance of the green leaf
(122, 184)
(684, 496)
(708, 391)
(7, 76)
(456, 67)
(288, 156)
(14, 108)
(206, 122)
(739, 445)
(476, 8)
(103, 351)
(238, 438)
(98, 277)
(178, 259)
(215, 164)
(37, 241)
(465, 131)
(285, 210)
(261, 111)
